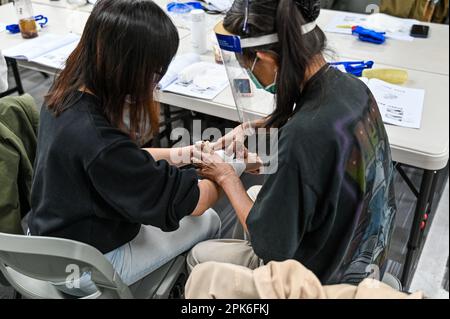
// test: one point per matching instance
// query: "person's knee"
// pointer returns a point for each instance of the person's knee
(214, 223)
(198, 255)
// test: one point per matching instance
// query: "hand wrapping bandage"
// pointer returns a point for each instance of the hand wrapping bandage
(239, 166)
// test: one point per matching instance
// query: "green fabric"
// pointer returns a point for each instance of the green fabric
(416, 9)
(18, 137)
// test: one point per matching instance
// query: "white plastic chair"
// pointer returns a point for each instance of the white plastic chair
(33, 265)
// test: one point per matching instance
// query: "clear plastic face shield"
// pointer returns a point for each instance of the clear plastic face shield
(253, 99)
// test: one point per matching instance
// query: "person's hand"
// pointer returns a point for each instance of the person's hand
(253, 163)
(210, 165)
(234, 142)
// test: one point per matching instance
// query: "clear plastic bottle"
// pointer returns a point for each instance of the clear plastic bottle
(27, 24)
(388, 75)
(198, 31)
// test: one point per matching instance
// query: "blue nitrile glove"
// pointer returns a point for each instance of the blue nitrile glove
(368, 35)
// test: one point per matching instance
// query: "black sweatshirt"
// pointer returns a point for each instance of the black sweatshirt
(93, 184)
(331, 203)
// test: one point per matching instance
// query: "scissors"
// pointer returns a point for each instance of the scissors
(355, 67)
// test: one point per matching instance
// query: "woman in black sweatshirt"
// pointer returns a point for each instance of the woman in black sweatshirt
(93, 183)
(330, 202)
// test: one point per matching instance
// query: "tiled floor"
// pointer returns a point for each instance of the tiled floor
(37, 86)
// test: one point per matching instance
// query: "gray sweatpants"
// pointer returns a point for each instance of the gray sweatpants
(231, 251)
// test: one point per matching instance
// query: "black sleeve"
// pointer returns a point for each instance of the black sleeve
(282, 212)
(277, 221)
(142, 190)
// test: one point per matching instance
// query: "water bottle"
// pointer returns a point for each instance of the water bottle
(198, 31)
(27, 24)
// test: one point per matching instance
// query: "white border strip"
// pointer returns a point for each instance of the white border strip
(272, 38)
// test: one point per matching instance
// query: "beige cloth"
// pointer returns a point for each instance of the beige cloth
(285, 280)
(422, 10)
(230, 251)
(237, 252)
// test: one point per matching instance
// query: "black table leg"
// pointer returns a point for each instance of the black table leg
(16, 73)
(168, 123)
(12, 63)
(427, 189)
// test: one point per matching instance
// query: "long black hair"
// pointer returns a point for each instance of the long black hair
(126, 47)
(295, 50)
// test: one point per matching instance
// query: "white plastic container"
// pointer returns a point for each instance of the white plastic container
(198, 31)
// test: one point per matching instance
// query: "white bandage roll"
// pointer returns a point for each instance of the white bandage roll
(238, 165)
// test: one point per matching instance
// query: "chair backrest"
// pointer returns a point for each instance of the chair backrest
(33, 264)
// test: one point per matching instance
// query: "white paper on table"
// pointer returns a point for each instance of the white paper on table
(43, 44)
(398, 105)
(395, 28)
(2, 27)
(342, 22)
(207, 84)
(56, 59)
(177, 65)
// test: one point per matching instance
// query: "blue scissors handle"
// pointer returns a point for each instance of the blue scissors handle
(355, 67)
(40, 19)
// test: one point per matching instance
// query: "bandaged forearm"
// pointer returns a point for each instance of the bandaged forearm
(239, 166)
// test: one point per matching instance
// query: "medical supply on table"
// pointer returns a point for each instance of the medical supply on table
(395, 28)
(25, 15)
(180, 63)
(353, 67)
(40, 19)
(202, 80)
(368, 35)
(198, 30)
(393, 76)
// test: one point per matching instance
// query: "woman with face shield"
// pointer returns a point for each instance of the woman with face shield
(330, 203)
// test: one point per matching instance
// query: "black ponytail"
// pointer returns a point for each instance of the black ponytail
(296, 51)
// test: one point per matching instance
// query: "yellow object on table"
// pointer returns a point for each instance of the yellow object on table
(388, 75)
